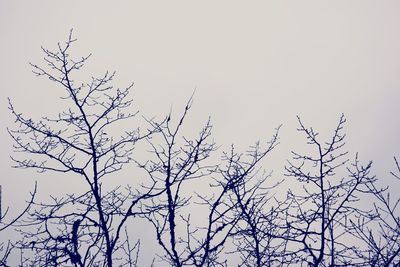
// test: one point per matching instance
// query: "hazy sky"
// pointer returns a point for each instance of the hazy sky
(254, 64)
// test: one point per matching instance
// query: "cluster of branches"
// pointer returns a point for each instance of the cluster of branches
(7, 222)
(320, 221)
(83, 229)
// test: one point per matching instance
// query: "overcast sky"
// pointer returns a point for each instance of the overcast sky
(254, 65)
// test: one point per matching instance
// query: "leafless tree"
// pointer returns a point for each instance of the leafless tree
(318, 213)
(380, 231)
(319, 222)
(180, 161)
(85, 229)
(256, 236)
(177, 161)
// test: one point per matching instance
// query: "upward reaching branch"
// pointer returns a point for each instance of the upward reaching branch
(80, 139)
(317, 215)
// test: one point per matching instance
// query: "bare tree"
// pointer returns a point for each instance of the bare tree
(318, 214)
(380, 230)
(82, 230)
(177, 161)
(320, 223)
(256, 235)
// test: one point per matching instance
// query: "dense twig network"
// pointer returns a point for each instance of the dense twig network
(204, 207)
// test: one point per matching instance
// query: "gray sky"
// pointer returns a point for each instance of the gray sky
(254, 64)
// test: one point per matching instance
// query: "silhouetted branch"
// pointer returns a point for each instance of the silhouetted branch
(318, 214)
(380, 230)
(79, 229)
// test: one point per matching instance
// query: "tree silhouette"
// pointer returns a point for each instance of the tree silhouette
(314, 215)
(255, 234)
(380, 230)
(83, 230)
(178, 162)
(319, 213)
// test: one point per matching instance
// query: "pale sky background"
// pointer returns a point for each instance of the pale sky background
(254, 64)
